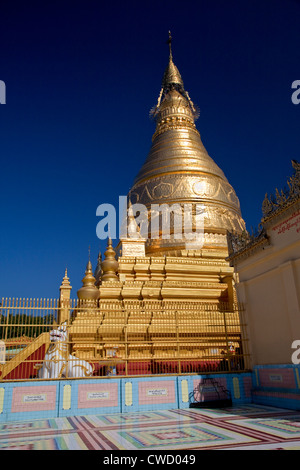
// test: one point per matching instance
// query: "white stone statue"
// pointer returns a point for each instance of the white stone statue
(58, 362)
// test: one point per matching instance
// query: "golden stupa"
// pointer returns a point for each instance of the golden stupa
(88, 292)
(158, 298)
(179, 170)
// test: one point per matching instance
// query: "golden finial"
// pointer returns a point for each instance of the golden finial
(65, 281)
(98, 270)
(89, 264)
(88, 291)
(64, 299)
(110, 264)
(171, 75)
(169, 41)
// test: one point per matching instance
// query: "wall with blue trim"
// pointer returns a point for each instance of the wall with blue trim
(273, 385)
(21, 401)
(277, 385)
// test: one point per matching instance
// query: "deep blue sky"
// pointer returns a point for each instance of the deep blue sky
(81, 77)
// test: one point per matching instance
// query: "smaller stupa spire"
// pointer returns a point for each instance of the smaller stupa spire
(98, 270)
(110, 264)
(172, 83)
(171, 76)
(88, 291)
(171, 80)
(64, 299)
(65, 281)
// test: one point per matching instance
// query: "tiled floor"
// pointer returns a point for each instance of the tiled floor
(246, 427)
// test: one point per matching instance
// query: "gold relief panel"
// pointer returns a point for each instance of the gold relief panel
(214, 188)
(216, 239)
(185, 187)
(203, 187)
(162, 190)
(224, 217)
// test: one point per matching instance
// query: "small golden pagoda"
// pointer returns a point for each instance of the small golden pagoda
(88, 292)
(160, 300)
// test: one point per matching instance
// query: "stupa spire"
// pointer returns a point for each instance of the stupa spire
(109, 264)
(178, 170)
(169, 41)
(98, 270)
(64, 298)
(88, 291)
(171, 76)
(65, 281)
(172, 83)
